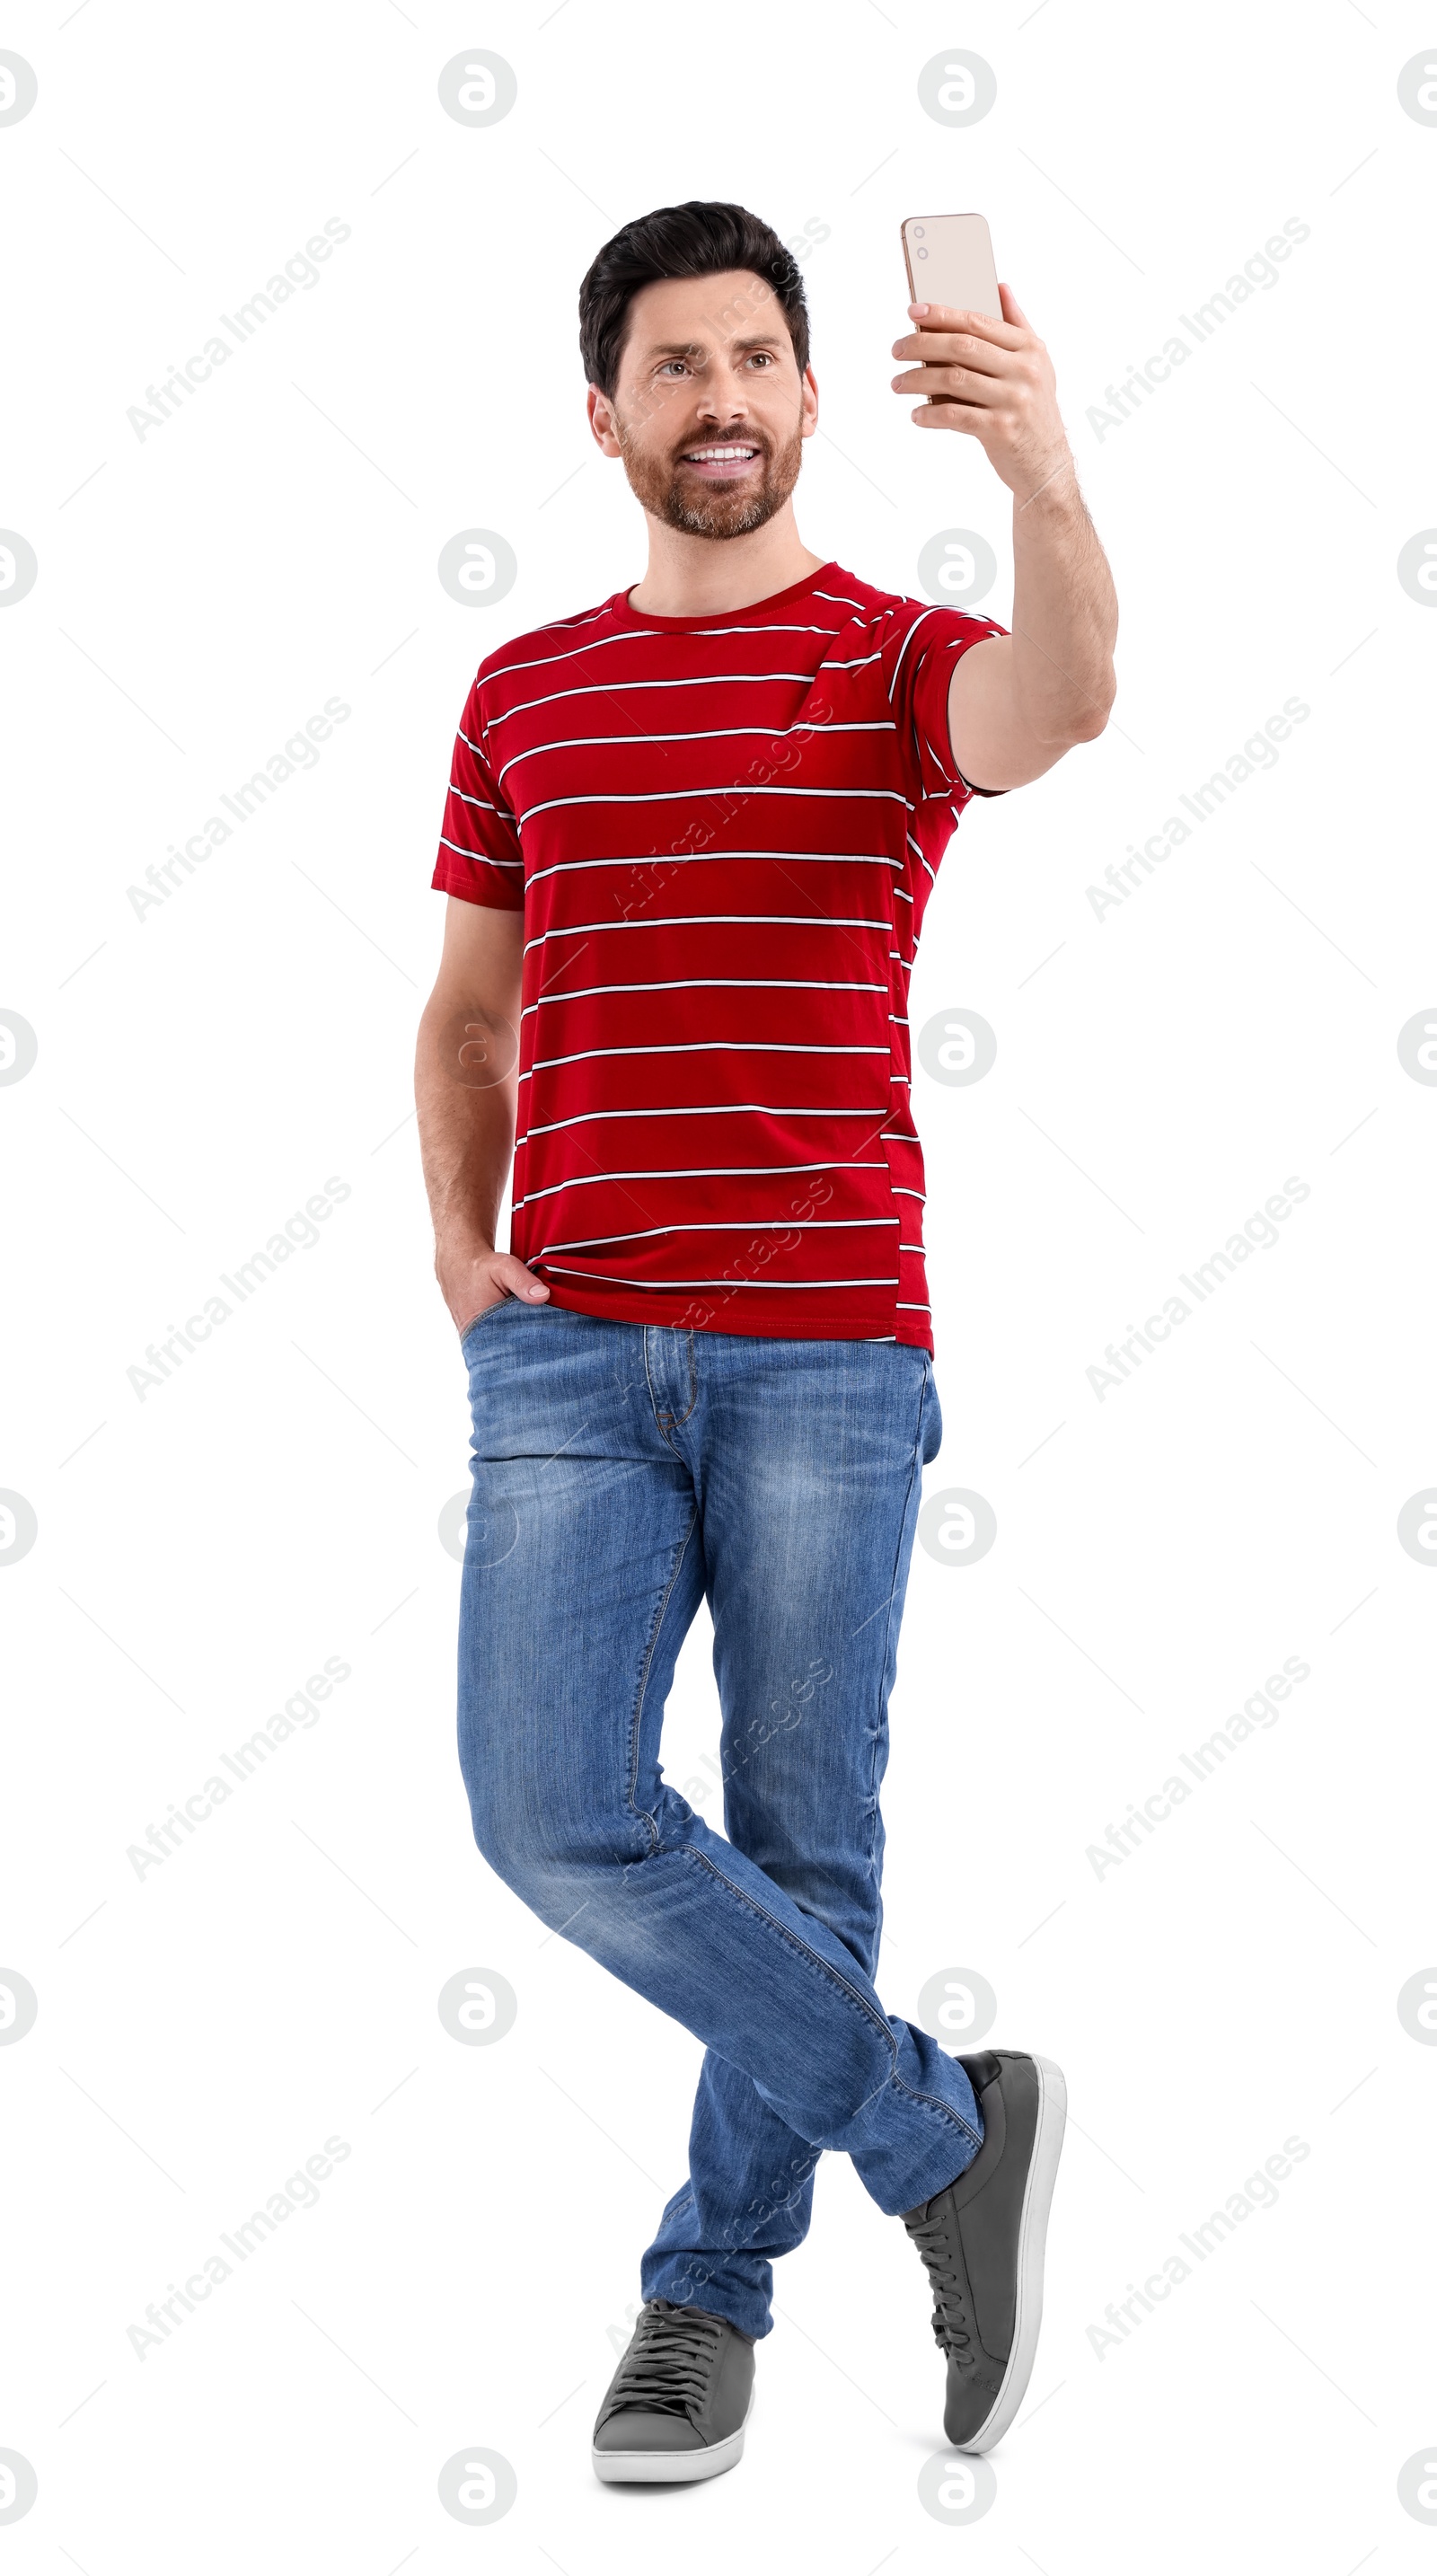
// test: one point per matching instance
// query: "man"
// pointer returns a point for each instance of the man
(689, 840)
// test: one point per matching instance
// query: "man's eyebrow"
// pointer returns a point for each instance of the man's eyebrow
(695, 348)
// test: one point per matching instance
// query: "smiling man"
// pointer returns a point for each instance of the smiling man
(689, 841)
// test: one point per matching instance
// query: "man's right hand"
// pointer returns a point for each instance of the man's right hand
(466, 1083)
(473, 1282)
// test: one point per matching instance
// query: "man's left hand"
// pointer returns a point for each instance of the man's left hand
(992, 380)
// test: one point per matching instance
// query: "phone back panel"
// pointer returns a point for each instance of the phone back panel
(950, 261)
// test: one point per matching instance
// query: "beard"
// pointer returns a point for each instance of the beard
(677, 497)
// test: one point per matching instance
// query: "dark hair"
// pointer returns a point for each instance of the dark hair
(702, 238)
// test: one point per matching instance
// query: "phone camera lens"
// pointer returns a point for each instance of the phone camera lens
(923, 254)
(918, 232)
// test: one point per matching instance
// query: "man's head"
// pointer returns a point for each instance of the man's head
(693, 329)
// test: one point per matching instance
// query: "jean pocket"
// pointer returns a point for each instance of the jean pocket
(483, 1316)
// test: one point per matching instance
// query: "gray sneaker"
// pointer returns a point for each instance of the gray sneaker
(981, 2241)
(678, 2402)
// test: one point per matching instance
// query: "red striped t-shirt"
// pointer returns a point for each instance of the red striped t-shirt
(722, 832)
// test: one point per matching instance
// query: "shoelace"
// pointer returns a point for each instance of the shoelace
(951, 2322)
(669, 2363)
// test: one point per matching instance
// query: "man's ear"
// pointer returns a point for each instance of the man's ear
(601, 421)
(810, 402)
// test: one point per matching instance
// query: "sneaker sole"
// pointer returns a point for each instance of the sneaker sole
(671, 2468)
(1032, 2237)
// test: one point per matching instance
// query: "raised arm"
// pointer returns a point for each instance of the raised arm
(465, 1089)
(1018, 702)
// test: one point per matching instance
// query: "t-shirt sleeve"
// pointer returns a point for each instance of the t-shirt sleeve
(479, 854)
(919, 664)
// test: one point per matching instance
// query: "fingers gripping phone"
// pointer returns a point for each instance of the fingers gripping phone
(950, 261)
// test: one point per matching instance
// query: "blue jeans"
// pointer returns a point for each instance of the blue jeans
(621, 1473)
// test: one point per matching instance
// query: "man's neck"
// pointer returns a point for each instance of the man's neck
(692, 576)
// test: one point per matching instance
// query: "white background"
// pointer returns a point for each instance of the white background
(466, 2276)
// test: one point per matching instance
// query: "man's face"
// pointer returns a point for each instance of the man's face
(710, 412)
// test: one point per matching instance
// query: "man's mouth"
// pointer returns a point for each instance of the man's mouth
(720, 461)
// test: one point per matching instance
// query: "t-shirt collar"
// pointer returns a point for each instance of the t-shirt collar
(625, 615)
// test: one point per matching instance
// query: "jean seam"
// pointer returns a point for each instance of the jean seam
(875, 1732)
(664, 1421)
(491, 1309)
(668, 1422)
(921, 2101)
(931, 2102)
(637, 1721)
(693, 1382)
(805, 1951)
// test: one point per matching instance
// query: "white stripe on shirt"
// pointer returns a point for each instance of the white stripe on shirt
(718, 1225)
(701, 983)
(647, 635)
(607, 1279)
(682, 920)
(903, 647)
(704, 1046)
(706, 858)
(878, 1109)
(705, 680)
(697, 1172)
(725, 787)
(711, 733)
(480, 857)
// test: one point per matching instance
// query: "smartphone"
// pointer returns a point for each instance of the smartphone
(950, 261)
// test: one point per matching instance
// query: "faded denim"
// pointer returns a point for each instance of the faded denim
(622, 1473)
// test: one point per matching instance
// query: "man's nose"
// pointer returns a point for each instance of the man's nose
(724, 396)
